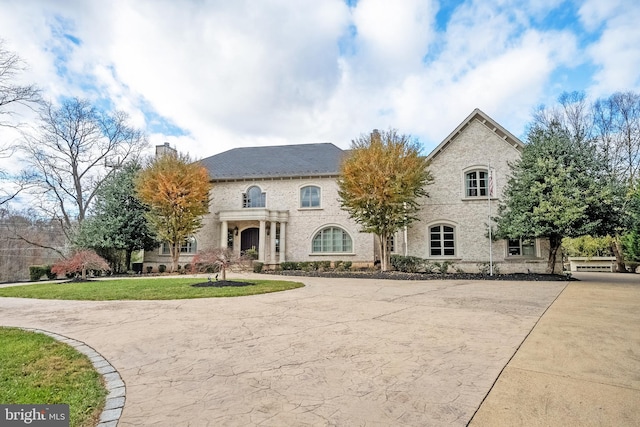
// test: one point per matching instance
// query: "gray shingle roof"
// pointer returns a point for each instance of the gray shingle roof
(275, 161)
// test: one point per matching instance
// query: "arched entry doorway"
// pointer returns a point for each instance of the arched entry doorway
(249, 238)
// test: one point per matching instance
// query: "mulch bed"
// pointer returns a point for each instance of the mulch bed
(397, 275)
(221, 284)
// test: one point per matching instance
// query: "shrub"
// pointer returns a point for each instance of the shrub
(407, 264)
(251, 254)
(347, 265)
(50, 274)
(162, 268)
(289, 265)
(304, 266)
(484, 268)
(82, 261)
(325, 265)
(36, 272)
(337, 265)
(257, 267)
(149, 269)
(188, 268)
(314, 265)
(442, 267)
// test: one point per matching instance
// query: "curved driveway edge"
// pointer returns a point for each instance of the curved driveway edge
(112, 380)
(336, 352)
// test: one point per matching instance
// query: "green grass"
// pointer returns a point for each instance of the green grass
(36, 369)
(142, 289)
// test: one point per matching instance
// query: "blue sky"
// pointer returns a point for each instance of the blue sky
(208, 76)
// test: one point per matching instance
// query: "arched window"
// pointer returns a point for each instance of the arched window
(332, 240)
(254, 198)
(310, 196)
(442, 240)
(476, 183)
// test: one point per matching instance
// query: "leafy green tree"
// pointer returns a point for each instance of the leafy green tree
(117, 221)
(631, 240)
(555, 190)
(176, 191)
(381, 183)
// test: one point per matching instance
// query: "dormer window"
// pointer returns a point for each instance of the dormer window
(254, 198)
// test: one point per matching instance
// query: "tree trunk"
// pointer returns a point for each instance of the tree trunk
(127, 259)
(617, 251)
(175, 255)
(554, 245)
(223, 269)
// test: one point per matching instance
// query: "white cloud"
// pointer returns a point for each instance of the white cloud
(616, 52)
(272, 72)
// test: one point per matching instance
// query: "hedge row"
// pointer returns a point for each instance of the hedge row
(37, 271)
(316, 265)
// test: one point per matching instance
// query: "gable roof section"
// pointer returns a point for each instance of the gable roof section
(283, 161)
(487, 121)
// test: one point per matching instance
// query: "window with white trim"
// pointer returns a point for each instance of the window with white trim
(254, 198)
(442, 240)
(310, 196)
(332, 240)
(521, 247)
(476, 183)
(189, 246)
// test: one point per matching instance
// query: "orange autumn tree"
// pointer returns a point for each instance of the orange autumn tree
(381, 183)
(176, 190)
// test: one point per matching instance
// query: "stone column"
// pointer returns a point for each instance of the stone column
(224, 230)
(273, 243)
(262, 237)
(283, 234)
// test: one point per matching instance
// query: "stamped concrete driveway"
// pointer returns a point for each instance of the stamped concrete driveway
(336, 352)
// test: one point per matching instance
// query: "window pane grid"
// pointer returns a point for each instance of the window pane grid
(441, 240)
(476, 183)
(332, 239)
(310, 197)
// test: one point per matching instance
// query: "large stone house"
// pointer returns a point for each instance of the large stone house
(282, 201)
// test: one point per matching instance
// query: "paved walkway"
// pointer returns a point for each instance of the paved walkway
(361, 352)
(581, 364)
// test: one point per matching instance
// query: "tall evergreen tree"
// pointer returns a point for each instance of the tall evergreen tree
(117, 222)
(555, 190)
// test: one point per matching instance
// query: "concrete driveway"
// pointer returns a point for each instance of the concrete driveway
(336, 352)
(581, 364)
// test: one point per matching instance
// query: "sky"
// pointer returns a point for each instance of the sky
(209, 76)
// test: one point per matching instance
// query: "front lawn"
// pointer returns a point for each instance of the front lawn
(142, 289)
(36, 369)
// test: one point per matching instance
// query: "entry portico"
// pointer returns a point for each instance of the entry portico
(242, 220)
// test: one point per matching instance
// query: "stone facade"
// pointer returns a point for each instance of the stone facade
(452, 217)
(476, 145)
(282, 214)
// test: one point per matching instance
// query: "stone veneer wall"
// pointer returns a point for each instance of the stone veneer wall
(301, 227)
(476, 146)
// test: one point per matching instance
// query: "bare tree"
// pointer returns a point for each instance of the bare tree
(75, 148)
(13, 96)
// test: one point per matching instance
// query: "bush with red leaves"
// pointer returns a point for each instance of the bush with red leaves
(81, 261)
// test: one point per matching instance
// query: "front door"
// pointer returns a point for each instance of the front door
(249, 239)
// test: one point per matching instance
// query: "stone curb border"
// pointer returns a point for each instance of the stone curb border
(113, 382)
